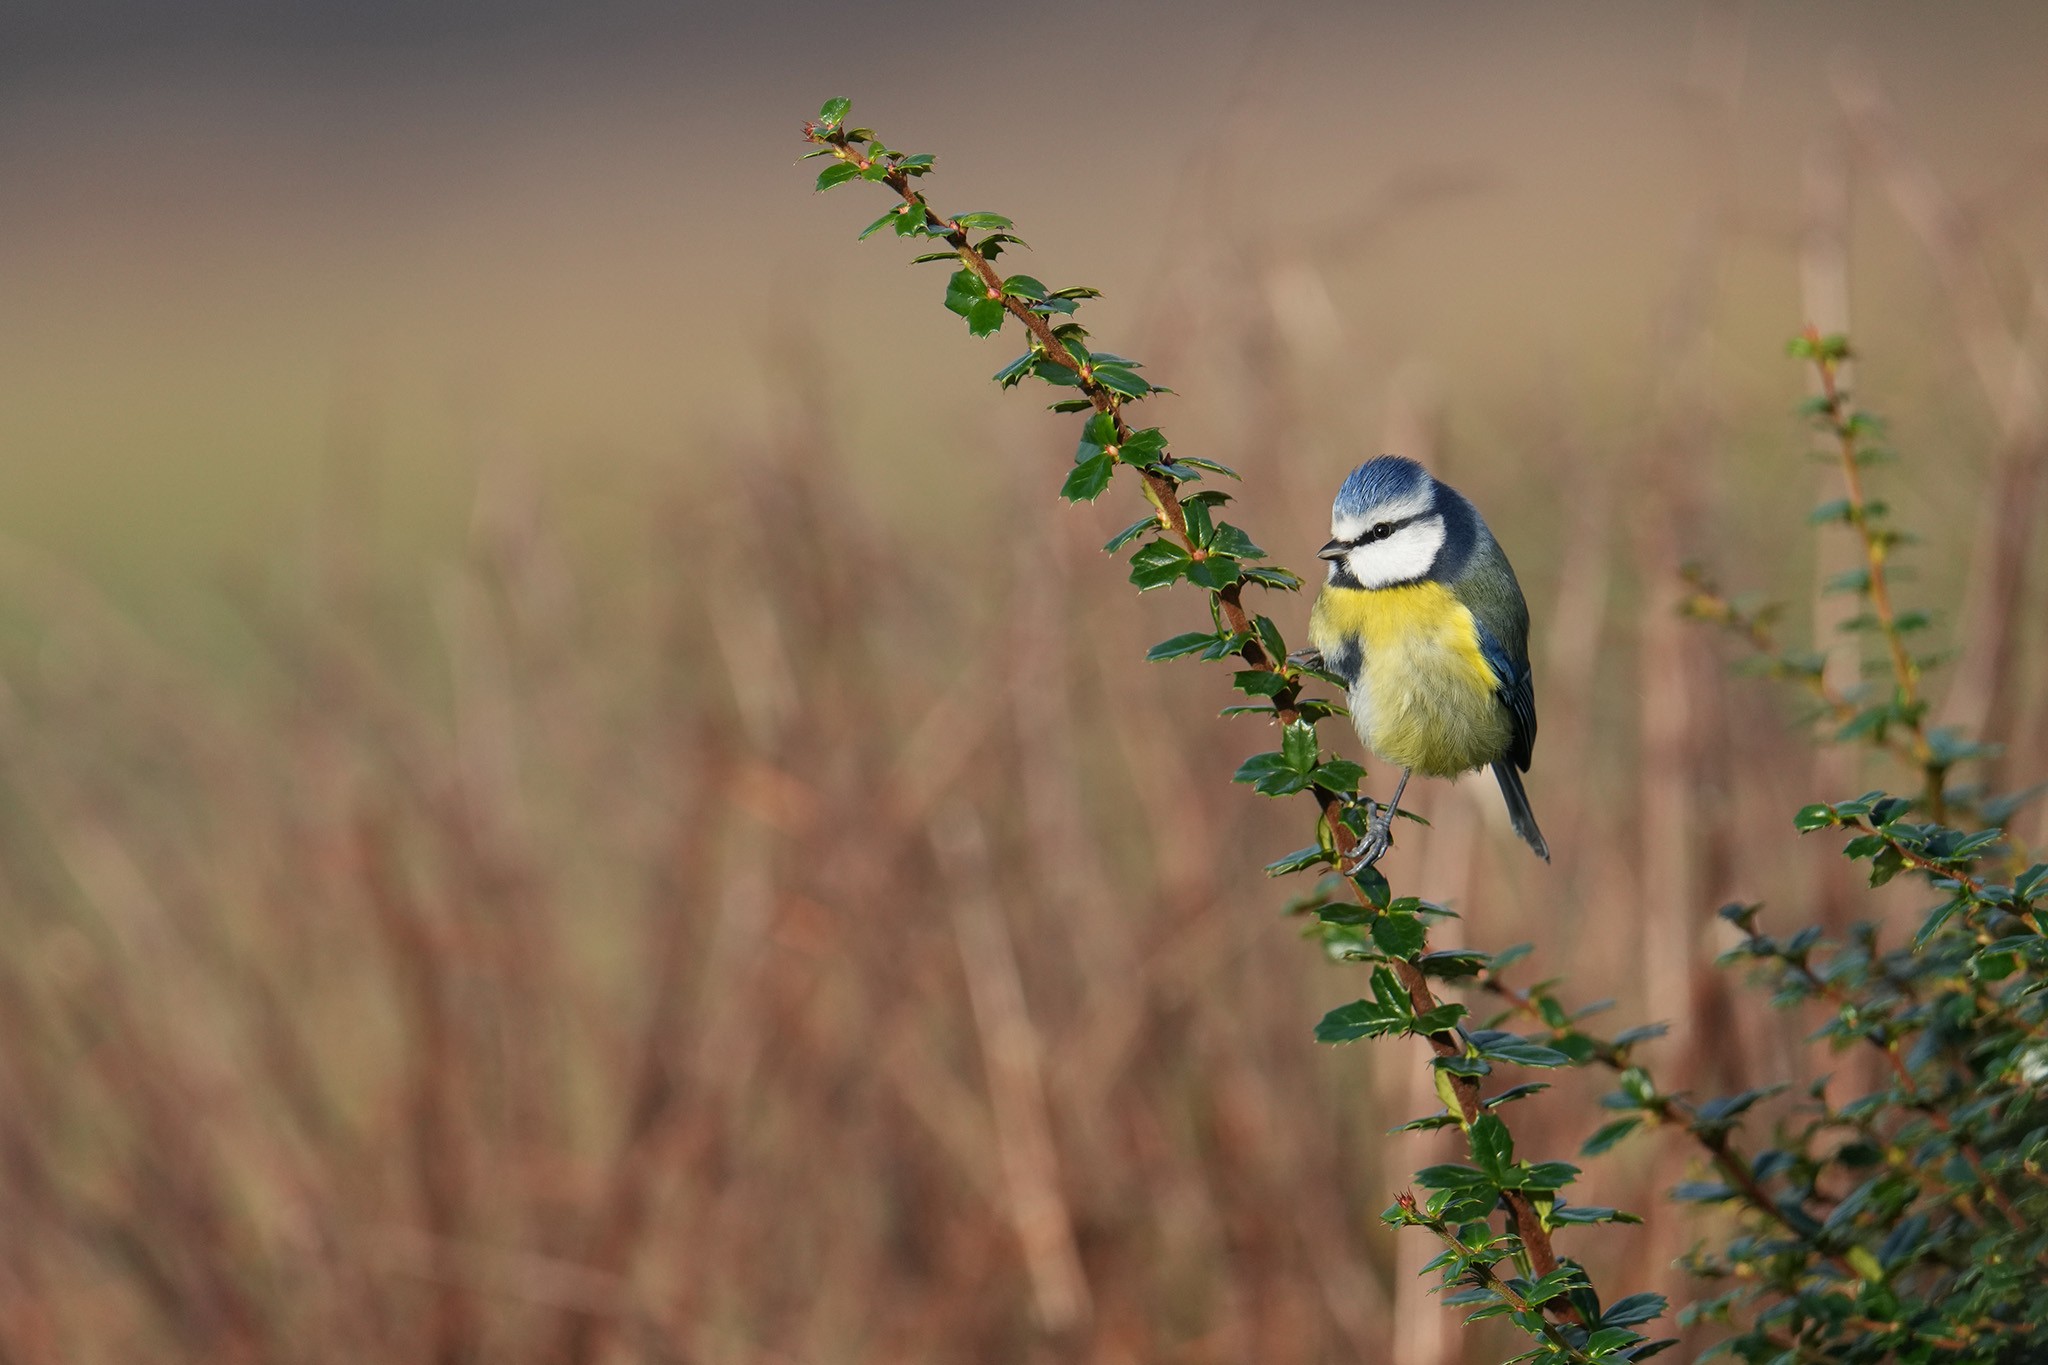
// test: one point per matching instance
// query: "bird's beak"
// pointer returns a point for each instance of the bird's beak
(1334, 550)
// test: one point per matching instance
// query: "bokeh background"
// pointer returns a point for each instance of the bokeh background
(568, 792)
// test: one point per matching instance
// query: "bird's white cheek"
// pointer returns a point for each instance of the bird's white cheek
(1401, 558)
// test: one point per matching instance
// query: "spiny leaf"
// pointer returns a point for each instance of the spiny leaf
(986, 316)
(1087, 479)
(1159, 563)
(838, 173)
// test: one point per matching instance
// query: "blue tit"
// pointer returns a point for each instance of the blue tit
(1423, 620)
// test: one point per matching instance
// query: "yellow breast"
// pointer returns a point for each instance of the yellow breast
(1424, 697)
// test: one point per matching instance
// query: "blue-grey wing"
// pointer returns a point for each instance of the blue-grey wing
(1516, 690)
(1489, 591)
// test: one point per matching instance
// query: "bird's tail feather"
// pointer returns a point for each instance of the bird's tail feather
(1519, 814)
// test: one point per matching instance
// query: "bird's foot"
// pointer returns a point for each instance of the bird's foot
(1307, 658)
(1375, 844)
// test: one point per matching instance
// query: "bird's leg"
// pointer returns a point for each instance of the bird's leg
(1379, 830)
(1307, 658)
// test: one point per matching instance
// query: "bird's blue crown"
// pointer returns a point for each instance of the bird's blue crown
(1378, 481)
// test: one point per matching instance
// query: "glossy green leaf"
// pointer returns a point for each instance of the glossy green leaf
(964, 289)
(1129, 534)
(1087, 479)
(1159, 563)
(986, 316)
(838, 173)
(1400, 936)
(1215, 572)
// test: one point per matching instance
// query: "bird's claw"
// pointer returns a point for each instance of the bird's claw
(1375, 844)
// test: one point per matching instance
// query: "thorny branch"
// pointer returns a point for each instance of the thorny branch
(1161, 493)
(1842, 422)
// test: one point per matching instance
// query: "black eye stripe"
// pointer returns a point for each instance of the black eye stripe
(1385, 529)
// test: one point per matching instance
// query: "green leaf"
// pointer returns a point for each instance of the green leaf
(1720, 1112)
(1298, 744)
(1087, 479)
(1299, 860)
(1214, 572)
(1235, 543)
(833, 112)
(1493, 1147)
(1013, 373)
(1159, 563)
(1374, 883)
(838, 173)
(1362, 1019)
(1401, 936)
(1609, 1339)
(1266, 577)
(1452, 964)
(1192, 643)
(1117, 379)
(1814, 817)
(974, 222)
(1510, 955)
(1635, 1308)
(1641, 1033)
(1339, 775)
(1610, 1133)
(1549, 1175)
(1439, 1020)
(1269, 775)
(1210, 465)
(1560, 1281)
(1129, 534)
(985, 318)
(1269, 638)
(1142, 447)
(872, 228)
(1023, 287)
(1516, 1092)
(1521, 1052)
(964, 289)
(1225, 645)
(1258, 682)
(1589, 1213)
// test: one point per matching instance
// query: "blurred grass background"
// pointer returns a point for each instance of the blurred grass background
(567, 793)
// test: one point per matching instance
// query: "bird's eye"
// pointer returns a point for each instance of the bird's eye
(1382, 531)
